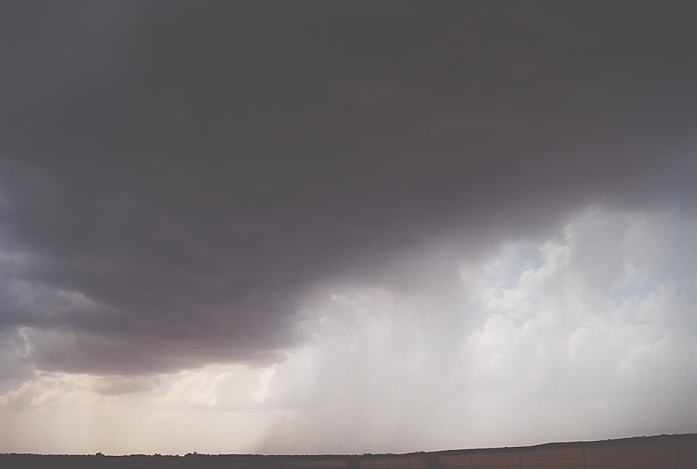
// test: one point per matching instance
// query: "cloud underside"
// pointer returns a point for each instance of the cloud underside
(440, 197)
(171, 193)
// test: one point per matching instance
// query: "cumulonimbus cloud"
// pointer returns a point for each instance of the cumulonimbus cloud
(176, 191)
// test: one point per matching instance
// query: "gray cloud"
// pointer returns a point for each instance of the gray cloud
(588, 337)
(177, 177)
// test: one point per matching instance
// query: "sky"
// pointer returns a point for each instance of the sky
(345, 226)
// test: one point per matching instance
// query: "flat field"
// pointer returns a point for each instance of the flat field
(655, 452)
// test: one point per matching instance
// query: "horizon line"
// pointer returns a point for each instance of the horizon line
(608, 441)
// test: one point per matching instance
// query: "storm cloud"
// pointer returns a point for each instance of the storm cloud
(183, 183)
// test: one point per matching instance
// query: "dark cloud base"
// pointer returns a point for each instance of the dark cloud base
(193, 169)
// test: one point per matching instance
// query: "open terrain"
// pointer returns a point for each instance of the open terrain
(655, 452)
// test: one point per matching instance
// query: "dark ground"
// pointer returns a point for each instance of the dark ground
(655, 452)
